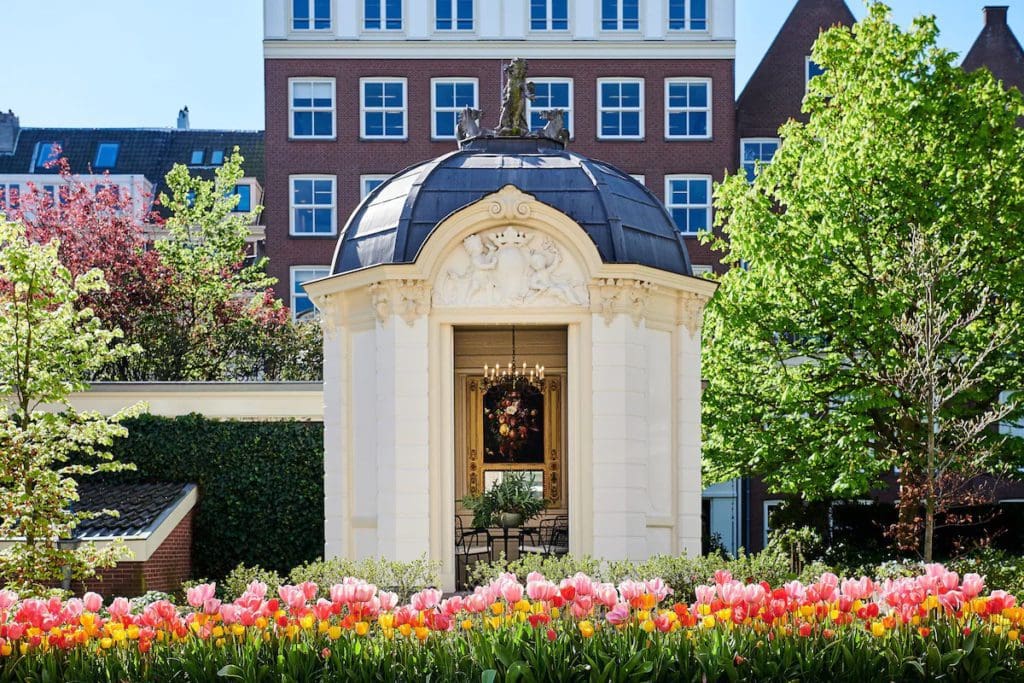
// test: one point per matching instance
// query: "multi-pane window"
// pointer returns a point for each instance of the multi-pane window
(9, 195)
(369, 183)
(311, 15)
(449, 97)
(312, 108)
(106, 155)
(312, 205)
(46, 152)
(453, 15)
(244, 193)
(811, 69)
(382, 15)
(754, 151)
(382, 109)
(620, 15)
(688, 108)
(687, 15)
(620, 111)
(550, 93)
(549, 15)
(302, 305)
(688, 199)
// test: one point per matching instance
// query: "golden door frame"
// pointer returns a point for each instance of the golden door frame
(554, 481)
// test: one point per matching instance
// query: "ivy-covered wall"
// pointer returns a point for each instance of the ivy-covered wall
(261, 489)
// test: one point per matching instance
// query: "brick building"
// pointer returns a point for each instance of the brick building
(357, 91)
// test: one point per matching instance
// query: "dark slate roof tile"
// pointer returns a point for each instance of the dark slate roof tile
(140, 505)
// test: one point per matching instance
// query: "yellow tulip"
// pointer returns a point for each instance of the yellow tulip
(386, 620)
(307, 621)
(23, 648)
(219, 642)
(6, 649)
(586, 629)
(708, 622)
(334, 632)
(467, 624)
(498, 608)
(555, 612)
(648, 626)
(322, 626)
(362, 628)
(405, 630)
(218, 631)
(422, 632)
(643, 615)
(106, 643)
(522, 606)
(1012, 634)
(877, 629)
(237, 630)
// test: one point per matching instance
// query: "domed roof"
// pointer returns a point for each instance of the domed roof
(627, 223)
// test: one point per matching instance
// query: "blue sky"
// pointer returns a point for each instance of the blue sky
(136, 62)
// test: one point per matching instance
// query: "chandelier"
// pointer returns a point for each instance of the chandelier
(511, 376)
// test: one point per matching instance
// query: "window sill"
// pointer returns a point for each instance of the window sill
(307, 235)
(689, 138)
(312, 138)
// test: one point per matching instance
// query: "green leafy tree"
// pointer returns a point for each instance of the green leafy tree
(49, 345)
(218, 318)
(872, 318)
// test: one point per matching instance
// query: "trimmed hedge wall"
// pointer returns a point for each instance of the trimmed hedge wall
(261, 486)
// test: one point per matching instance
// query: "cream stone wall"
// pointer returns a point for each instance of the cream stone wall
(632, 384)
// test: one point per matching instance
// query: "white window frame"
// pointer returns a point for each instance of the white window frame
(292, 205)
(767, 505)
(688, 19)
(363, 110)
(701, 269)
(383, 18)
(755, 141)
(363, 179)
(292, 271)
(40, 164)
(670, 206)
(623, 79)
(333, 109)
(549, 19)
(454, 30)
(620, 8)
(251, 184)
(312, 18)
(640, 178)
(434, 110)
(676, 110)
(569, 122)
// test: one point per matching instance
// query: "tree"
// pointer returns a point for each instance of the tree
(49, 345)
(872, 319)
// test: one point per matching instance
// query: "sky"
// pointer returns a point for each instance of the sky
(135, 63)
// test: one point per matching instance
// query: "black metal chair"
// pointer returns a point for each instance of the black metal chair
(469, 544)
(550, 537)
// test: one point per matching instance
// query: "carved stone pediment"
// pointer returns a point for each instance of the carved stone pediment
(612, 297)
(510, 266)
(408, 299)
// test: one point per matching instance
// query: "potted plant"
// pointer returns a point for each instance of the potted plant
(508, 503)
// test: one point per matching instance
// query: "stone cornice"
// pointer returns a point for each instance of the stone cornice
(612, 297)
(690, 311)
(408, 299)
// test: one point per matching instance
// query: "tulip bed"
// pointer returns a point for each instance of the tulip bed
(932, 626)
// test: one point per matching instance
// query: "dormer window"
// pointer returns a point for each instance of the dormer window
(811, 69)
(44, 154)
(216, 157)
(197, 157)
(244, 193)
(106, 155)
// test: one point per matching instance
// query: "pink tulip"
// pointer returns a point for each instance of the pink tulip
(630, 590)
(442, 622)
(732, 593)
(754, 594)
(15, 631)
(257, 588)
(7, 599)
(949, 581)
(92, 601)
(794, 590)
(542, 590)
(426, 599)
(705, 594)
(659, 589)
(582, 583)
(951, 600)
(972, 586)
(119, 608)
(229, 613)
(476, 603)
(322, 609)
(452, 605)
(581, 606)
(535, 576)
(308, 589)
(618, 614)
(722, 576)
(198, 595)
(1005, 598)
(606, 595)
(363, 592)
(388, 600)
(512, 592)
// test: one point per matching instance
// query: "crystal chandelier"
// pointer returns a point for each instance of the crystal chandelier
(511, 376)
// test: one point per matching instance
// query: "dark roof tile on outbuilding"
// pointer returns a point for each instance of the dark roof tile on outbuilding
(141, 506)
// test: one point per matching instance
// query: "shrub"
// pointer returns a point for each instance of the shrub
(239, 578)
(403, 578)
(265, 476)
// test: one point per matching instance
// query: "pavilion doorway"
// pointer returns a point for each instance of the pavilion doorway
(500, 434)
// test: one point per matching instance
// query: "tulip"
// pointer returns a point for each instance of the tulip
(972, 585)
(198, 595)
(512, 592)
(93, 601)
(618, 614)
(426, 599)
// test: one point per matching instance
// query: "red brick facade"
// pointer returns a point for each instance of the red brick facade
(165, 570)
(348, 157)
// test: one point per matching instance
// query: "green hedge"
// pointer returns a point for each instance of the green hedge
(261, 491)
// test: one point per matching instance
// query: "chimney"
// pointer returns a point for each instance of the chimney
(183, 119)
(8, 132)
(995, 15)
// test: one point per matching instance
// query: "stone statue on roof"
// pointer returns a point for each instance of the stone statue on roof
(514, 121)
(518, 91)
